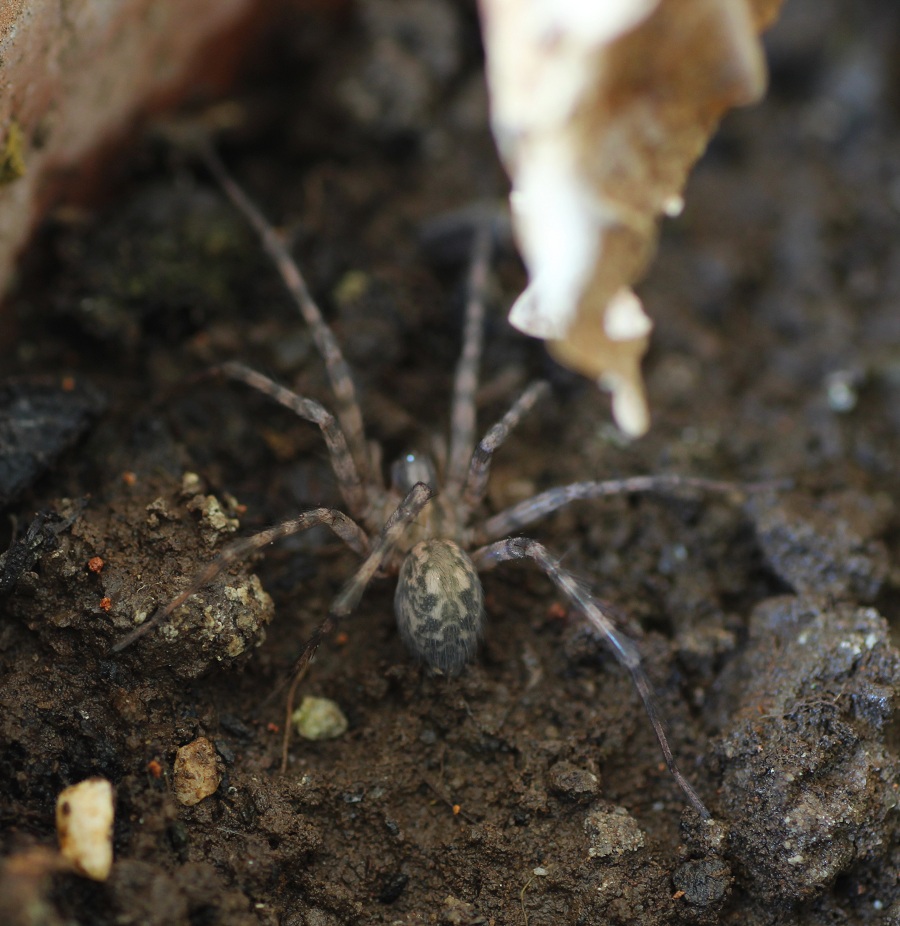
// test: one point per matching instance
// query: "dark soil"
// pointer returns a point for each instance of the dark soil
(530, 790)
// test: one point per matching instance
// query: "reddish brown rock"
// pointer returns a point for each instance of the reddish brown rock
(77, 78)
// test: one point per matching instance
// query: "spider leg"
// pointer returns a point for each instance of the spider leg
(376, 471)
(408, 510)
(465, 383)
(539, 506)
(348, 531)
(348, 597)
(625, 650)
(480, 466)
(342, 462)
(348, 410)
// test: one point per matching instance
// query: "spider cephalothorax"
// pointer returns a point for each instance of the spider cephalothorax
(428, 526)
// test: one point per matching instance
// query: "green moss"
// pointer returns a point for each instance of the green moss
(170, 259)
(12, 154)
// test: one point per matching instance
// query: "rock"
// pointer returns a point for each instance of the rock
(825, 546)
(575, 784)
(704, 882)
(806, 772)
(612, 832)
(84, 824)
(198, 772)
(76, 79)
(319, 719)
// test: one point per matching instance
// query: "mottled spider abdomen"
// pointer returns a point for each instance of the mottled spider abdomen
(440, 605)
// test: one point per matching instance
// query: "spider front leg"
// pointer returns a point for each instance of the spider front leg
(342, 462)
(408, 510)
(465, 382)
(348, 410)
(480, 465)
(626, 652)
(345, 528)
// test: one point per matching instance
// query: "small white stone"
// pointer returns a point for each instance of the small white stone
(319, 719)
(84, 824)
(197, 772)
(191, 484)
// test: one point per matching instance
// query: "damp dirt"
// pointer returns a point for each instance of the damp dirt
(531, 789)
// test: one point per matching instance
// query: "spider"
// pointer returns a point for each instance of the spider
(426, 527)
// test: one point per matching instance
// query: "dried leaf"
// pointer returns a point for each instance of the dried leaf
(599, 110)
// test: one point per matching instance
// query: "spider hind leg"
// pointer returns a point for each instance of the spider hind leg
(518, 548)
(348, 597)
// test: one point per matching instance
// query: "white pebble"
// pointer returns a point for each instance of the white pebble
(197, 772)
(319, 719)
(84, 824)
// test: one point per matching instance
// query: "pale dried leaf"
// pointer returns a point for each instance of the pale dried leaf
(599, 110)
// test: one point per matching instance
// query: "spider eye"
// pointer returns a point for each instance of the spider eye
(411, 468)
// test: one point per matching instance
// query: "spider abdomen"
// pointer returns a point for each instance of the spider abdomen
(439, 605)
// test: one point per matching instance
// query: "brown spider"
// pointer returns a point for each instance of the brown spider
(426, 527)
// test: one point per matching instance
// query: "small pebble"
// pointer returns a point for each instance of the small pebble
(612, 832)
(573, 783)
(704, 882)
(191, 484)
(319, 719)
(84, 824)
(197, 772)
(393, 887)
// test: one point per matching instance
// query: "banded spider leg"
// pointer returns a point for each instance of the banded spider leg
(626, 652)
